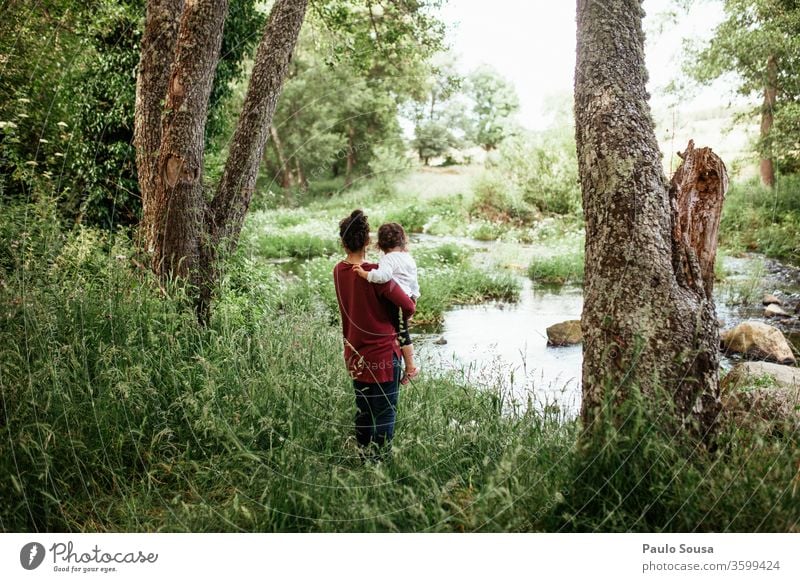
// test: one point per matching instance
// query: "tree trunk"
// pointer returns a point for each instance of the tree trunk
(767, 113)
(648, 321)
(178, 203)
(301, 177)
(285, 170)
(351, 156)
(225, 215)
(158, 49)
(238, 181)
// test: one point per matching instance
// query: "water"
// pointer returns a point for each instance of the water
(504, 345)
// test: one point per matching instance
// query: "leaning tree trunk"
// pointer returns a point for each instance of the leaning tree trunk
(157, 52)
(648, 321)
(767, 114)
(225, 215)
(178, 203)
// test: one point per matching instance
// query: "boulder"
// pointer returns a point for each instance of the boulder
(761, 373)
(440, 341)
(567, 333)
(769, 299)
(758, 341)
(759, 392)
(775, 310)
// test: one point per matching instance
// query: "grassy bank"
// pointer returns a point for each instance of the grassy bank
(764, 220)
(120, 414)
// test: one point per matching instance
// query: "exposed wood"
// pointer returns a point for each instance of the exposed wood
(177, 202)
(697, 192)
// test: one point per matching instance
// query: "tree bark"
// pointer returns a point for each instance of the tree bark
(649, 321)
(285, 170)
(351, 156)
(157, 52)
(225, 214)
(767, 113)
(178, 201)
(232, 199)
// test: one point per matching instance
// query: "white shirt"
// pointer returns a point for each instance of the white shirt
(400, 266)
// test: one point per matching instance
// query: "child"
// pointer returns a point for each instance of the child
(398, 264)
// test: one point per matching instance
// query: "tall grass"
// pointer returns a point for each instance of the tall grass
(557, 269)
(755, 218)
(119, 414)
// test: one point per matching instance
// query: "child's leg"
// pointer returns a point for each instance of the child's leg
(407, 349)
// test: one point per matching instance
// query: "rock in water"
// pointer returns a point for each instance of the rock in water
(775, 310)
(567, 333)
(440, 342)
(770, 299)
(757, 340)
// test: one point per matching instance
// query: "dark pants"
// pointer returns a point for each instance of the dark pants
(377, 410)
(400, 322)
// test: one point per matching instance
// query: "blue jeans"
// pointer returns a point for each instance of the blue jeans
(377, 410)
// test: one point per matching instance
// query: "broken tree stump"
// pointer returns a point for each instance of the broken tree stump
(697, 192)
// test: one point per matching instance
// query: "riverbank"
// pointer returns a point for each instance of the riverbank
(120, 414)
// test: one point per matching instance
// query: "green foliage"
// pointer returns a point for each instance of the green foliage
(353, 69)
(558, 269)
(753, 32)
(498, 199)
(755, 218)
(494, 102)
(69, 127)
(544, 168)
(432, 139)
(120, 414)
(632, 474)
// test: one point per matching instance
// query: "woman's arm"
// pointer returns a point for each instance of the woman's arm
(394, 293)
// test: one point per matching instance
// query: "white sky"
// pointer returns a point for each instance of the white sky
(532, 43)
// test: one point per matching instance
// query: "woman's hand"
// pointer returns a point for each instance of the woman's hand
(361, 272)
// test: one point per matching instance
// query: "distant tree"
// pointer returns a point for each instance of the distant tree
(649, 323)
(356, 65)
(495, 101)
(431, 139)
(759, 41)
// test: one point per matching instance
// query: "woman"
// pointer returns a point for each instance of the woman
(371, 350)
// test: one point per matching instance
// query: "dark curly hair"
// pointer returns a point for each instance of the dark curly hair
(354, 231)
(391, 235)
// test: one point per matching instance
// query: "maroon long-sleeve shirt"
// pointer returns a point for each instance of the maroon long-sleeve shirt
(370, 339)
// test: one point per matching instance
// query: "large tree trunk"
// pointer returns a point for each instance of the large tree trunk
(158, 50)
(648, 321)
(767, 114)
(178, 203)
(183, 233)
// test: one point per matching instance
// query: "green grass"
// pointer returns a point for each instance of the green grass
(118, 413)
(755, 218)
(558, 269)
